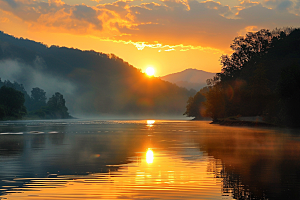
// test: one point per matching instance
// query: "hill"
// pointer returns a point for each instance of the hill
(93, 83)
(189, 78)
(261, 78)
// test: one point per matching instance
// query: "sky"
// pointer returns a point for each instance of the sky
(169, 35)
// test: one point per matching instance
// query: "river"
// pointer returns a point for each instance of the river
(146, 159)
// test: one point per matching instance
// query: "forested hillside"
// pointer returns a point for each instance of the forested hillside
(93, 83)
(15, 103)
(261, 78)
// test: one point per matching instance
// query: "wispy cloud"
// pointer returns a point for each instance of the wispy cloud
(164, 24)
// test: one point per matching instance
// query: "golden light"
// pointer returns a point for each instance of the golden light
(150, 123)
(149, 156)
(150, 71)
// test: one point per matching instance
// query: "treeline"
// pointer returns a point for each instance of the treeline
(102, 83)
(15, 103)
(260, 78)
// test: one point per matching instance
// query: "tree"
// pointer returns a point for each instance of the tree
(194, 107)
(247, 48)
(288, 88)
(18, 87)
(261, 77)
(56, 106)
(38, 98)
(11, 103)
(215, 102)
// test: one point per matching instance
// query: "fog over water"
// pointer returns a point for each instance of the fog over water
(146, 159)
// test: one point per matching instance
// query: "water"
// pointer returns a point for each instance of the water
(94, 159)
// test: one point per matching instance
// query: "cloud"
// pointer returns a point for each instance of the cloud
(173, 23)
(268, 18)
(4, 20)
(284, 5)
(203, 25)
(85, 13)
(292, 6)
(12, 3)
(55, 15)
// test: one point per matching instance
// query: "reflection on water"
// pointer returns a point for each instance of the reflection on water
(150, 123)
(149, 156)
(76, 159)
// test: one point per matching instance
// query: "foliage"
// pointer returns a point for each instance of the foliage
(18, 87)
(11, 103)
(103, 83)
(289, 92)
(215, 104)
(38, 98)
(194, 106)
(55, 108)
(261, 78)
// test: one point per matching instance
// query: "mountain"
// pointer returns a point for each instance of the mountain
(189, 78)
(92, 83)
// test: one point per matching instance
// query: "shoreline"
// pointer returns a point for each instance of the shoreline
(242, 123)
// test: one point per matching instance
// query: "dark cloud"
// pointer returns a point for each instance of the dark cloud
(169, 22)
(12, 3)
(83, 12)
(32, 11)
(284, 5)
(268, 18)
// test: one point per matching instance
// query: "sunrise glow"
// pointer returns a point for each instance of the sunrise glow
(106, 99)
(164, 43)
(150, 123)
(150, 71)
(149, 156)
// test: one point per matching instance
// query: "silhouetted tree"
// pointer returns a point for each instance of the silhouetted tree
(56, 106)
(260, 78)
(38, 98)
(247, 48)
(215, 104)
(17, 86)
(11, 103)
(195, 107)
(289, 92)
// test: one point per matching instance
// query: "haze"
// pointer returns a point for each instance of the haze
(169, 35)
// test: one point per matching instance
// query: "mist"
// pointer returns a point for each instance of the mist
(33, 76)
(93, 83)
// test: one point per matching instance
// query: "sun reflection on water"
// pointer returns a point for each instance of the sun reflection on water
(149, 156)
(150, 123)
(167, 177)
(178, 171)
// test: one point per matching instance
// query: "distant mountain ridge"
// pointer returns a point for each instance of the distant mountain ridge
(189, 78)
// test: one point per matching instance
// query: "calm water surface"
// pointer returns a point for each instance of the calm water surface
(94, 159)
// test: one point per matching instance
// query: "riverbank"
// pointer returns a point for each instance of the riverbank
(237, 122)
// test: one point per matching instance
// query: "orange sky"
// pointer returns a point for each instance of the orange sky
(170, 35)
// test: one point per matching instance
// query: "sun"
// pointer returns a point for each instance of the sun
(150, 71)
